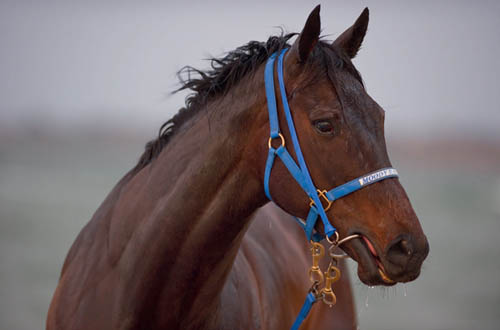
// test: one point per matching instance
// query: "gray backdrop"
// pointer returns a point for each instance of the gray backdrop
(83, 85)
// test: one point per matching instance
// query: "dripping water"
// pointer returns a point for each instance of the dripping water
(370, 289)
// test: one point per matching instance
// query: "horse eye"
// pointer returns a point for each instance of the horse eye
(324, 127)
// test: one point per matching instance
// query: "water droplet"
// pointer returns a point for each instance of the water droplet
(405, 292)
(383, 292)
(368, 292)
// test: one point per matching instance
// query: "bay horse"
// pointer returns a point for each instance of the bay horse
(188, 239)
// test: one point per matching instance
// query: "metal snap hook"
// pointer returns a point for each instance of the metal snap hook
(315, 274)
(332, 275)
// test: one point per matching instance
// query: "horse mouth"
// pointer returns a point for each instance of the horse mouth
(371, 270)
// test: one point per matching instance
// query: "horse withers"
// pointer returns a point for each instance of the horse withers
(185, 240)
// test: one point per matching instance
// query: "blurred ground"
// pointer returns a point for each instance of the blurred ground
(51, 184)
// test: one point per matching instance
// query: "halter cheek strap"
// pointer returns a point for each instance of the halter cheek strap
(300, 172)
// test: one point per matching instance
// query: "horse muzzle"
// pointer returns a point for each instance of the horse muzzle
(400, 262)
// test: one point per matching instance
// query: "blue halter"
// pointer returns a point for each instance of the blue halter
(300, 172)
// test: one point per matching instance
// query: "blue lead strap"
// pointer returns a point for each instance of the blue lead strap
(301, 173)
(310, 300)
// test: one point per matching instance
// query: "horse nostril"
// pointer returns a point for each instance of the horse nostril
(405, 247)
(400, 251)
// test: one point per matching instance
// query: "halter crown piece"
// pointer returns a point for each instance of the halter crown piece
(301, 174)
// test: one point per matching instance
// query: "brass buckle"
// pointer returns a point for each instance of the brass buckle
(322, 193)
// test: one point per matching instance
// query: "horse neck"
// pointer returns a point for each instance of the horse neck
(195, 203)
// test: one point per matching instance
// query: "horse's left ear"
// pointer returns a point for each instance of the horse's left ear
(350, 41)
(308, 38)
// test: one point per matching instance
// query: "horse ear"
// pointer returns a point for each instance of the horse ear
(309, 36)
(350, 41)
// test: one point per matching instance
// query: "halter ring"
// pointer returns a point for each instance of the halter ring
(336, 239)
(271, 139)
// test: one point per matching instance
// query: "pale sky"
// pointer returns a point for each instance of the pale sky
(432, 65)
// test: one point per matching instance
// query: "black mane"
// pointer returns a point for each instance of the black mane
(224, 73)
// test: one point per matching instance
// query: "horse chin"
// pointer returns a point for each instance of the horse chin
(370, 269)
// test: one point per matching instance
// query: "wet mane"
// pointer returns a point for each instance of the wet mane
(227, 71)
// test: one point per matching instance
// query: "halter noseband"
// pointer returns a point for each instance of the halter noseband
(300, 172)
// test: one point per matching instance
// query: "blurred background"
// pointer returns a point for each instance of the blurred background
(84, 85)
